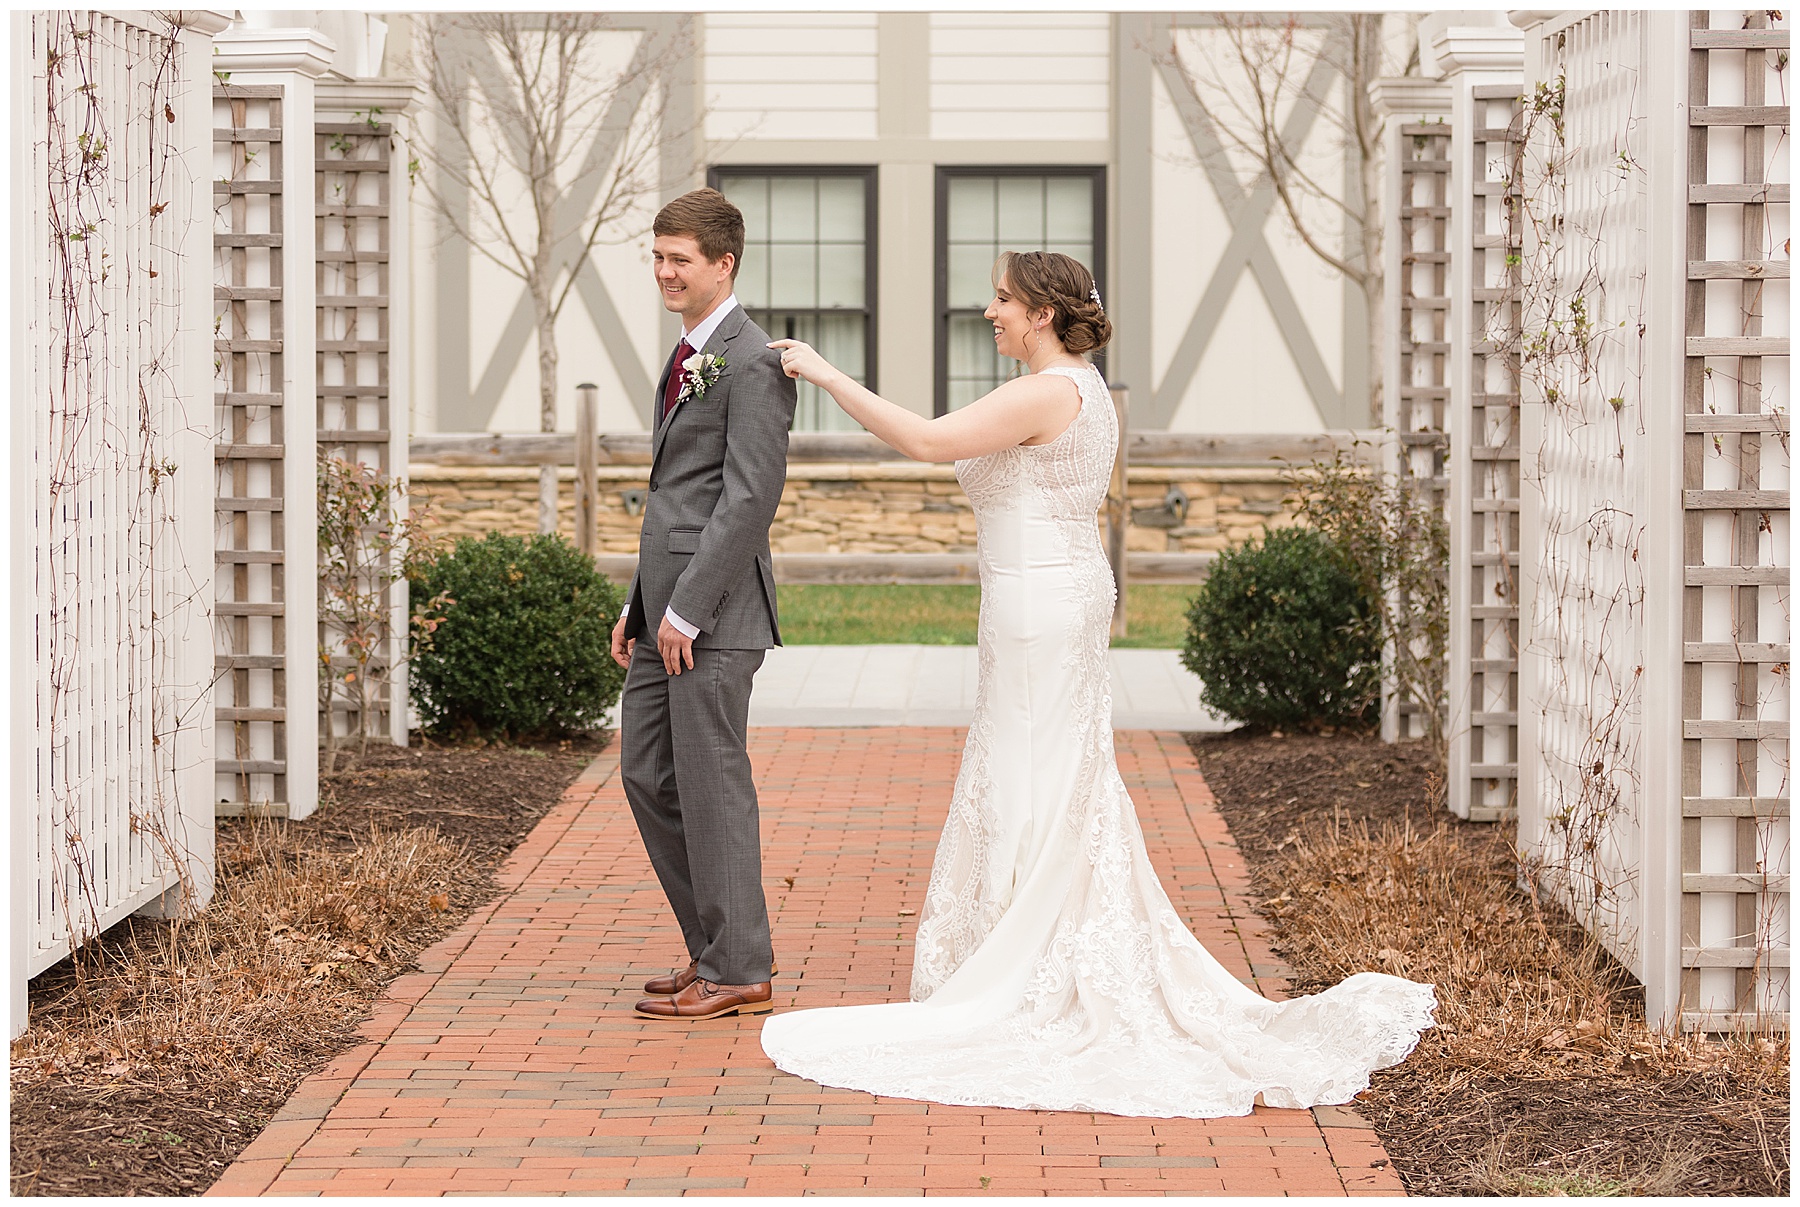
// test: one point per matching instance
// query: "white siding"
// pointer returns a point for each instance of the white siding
(581, 354)
(498, 306)
(1247, 379)
(1021, 77)
(789, 76)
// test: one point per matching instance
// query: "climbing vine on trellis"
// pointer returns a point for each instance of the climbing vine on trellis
(367, 541)
(105, 553)
(367, 544)
(1585, 367)
(1392, 532)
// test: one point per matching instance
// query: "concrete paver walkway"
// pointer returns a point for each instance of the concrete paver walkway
(858, 685)
(513, 1064)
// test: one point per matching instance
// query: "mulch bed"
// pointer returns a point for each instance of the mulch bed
(1452, 1128)
(488, 797)
(81, 1131)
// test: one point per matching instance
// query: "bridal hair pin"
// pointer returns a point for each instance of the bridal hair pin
(1094, 292)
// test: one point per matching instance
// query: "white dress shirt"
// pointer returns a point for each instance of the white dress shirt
(696, 339)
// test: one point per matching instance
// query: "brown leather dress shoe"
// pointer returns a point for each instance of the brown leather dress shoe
(702, 999)
(675, 982)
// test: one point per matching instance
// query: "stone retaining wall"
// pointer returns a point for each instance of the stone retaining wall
(864, 507)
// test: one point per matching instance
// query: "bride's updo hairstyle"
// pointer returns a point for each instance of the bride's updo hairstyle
(1049, 278)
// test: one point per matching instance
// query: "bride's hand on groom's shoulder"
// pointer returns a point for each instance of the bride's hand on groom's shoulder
(800, 359)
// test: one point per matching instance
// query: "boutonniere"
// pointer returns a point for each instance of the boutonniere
(699, 373)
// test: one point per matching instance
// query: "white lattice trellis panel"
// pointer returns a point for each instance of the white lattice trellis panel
(250, 195)
(1597, 562)
(1654, 738)
(1484, 466)
(1419, 266)
(355, 167)
(110, 587)
(1736, 604)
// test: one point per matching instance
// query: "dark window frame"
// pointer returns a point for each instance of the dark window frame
(940, 403)
(871, 293)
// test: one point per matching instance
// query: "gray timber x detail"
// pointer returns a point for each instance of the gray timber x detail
(625, 358)
(1247, 211)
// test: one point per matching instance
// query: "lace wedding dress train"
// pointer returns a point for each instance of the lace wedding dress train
(1050, 969)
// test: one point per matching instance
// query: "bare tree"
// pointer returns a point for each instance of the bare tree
(541, 150)
(1248, 80)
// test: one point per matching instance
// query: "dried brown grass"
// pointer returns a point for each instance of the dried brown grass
(1544, 1079)
(1522, 992)
(280, 964)
(1671, 1171)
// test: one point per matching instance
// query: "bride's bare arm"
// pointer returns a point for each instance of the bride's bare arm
(1024, 410)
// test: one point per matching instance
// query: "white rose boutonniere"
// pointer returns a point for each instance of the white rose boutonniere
(699, 373)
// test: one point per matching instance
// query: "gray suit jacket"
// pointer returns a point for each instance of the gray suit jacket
(717, 467)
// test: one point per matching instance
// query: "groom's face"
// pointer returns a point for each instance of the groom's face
(691, 284)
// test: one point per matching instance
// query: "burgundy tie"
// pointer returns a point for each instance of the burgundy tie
(673, 390)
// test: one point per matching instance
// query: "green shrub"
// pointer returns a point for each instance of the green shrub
(515, 640)
(1282, 634)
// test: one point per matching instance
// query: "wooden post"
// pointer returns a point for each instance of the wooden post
(586, 459)
(1118, 507)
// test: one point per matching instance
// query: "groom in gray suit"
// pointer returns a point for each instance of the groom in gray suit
(701, 613)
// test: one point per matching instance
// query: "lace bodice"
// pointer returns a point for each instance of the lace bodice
(1070, 472)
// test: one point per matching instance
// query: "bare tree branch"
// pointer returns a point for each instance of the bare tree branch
(552, 149)
(1245, 80)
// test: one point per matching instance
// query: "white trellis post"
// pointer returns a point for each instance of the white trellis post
(1733, 875)
(362, 218)
(268, 552)
(1416, 265)
(1483, 66)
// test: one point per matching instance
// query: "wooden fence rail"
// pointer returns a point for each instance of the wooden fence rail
(633, 448)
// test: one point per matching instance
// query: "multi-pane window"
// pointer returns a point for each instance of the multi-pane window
(808, 270)
(982, 212)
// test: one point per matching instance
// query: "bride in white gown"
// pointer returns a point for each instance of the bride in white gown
(1050, 970)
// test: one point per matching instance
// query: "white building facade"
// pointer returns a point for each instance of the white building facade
(882, 159)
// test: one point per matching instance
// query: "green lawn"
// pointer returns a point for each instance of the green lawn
(832, 614)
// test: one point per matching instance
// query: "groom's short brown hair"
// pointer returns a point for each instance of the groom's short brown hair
(708, 217)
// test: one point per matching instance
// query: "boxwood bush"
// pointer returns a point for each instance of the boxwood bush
(513, 639)
(1283, 635)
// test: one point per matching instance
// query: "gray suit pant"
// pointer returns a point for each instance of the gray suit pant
(686, 772)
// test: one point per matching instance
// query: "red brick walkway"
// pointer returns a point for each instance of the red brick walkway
(513, 1064)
